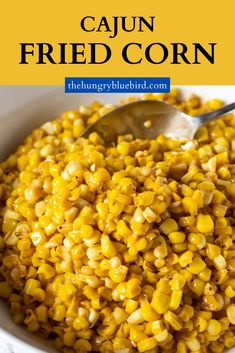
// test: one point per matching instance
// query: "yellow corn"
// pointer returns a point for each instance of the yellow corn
(160, 302)
(47, 271)
(214, 327)
(231, 313)
(205, 223)
(190, 205)
(107, 246)
(66, 291)
(59, 313)
(173, 320)
(80, 323)
(197, 265)
(177, 237)
(198, 286)
(168, 226)
(147, 344)
(186, 258)
(148, 313)
(31, 285)
(136, 335)
(175, 300)
(124, 247)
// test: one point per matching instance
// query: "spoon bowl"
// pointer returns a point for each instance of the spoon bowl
(147, 119)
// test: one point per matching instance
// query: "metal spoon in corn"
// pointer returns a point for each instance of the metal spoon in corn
(146, 119)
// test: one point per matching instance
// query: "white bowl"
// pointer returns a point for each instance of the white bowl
(24, 108)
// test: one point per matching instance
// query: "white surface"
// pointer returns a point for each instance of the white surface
(21, 110)
(7, 348)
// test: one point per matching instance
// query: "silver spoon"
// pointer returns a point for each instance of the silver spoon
(162, 118)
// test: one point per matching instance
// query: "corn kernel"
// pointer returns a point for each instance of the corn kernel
(205, 223)
(231, 313)
(197, 265)
(168, 226)
(147, 344)
(160, 302)
(80, 323)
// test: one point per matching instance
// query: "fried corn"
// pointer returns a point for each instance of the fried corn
(122, 248)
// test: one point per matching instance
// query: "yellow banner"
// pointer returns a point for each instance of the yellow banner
(45, 41)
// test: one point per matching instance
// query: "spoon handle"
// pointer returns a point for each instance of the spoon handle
(204, 118)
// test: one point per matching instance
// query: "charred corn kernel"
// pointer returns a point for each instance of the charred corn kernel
(210, 302)
(205, 223)
(168, 226)
(186, 258)
(147, 344)
(160, 302)
(80, 323)
(231, 313)
(197, 265)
